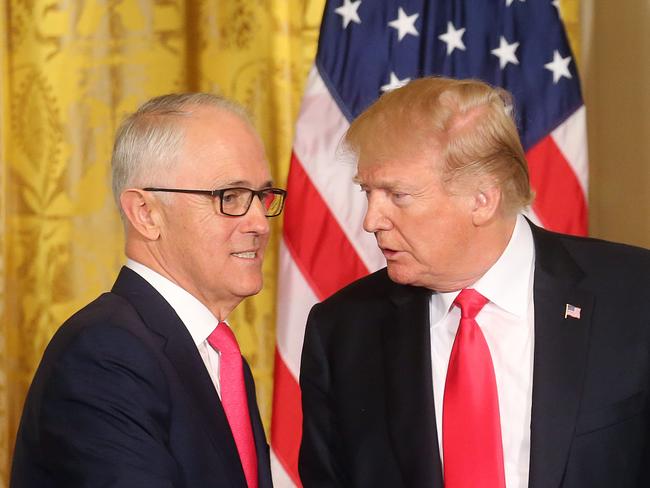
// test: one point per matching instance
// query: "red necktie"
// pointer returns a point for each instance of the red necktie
(234, 399)
(471, 427)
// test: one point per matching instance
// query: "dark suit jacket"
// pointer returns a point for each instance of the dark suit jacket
(123, 399)
(367, 393)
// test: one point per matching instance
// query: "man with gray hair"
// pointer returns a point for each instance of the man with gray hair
(489, 353)
(146, 385)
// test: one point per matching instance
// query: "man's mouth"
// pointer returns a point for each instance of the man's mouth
(388, 253)
(245, 254)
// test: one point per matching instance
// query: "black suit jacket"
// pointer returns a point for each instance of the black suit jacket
(369, 418)
(122, 399)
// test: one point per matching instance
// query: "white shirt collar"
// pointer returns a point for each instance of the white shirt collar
(507, 283)
(198, 319)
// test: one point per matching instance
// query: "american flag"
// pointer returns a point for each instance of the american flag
(572, 311)
(365, 48)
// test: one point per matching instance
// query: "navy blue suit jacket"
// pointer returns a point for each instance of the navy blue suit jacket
(122, 399)
(368, 400)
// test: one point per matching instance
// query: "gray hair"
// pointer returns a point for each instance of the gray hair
(148, 141)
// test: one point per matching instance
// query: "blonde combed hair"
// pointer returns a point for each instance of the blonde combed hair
(467, 122)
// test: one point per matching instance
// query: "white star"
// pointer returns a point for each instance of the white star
(394, 83)
(559, 66)
(348, 12)
(506, 52)
(556, 4)
(509, 2)
(405, 24)
(453, 38)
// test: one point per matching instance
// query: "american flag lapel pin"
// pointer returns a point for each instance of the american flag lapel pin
(571, 311)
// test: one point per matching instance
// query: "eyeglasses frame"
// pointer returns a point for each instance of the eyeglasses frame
(220, 191)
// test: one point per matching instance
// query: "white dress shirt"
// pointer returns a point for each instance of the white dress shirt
(198, 319)
(507, 322)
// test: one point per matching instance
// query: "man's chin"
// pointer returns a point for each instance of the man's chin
(399, 276)
(249, 290)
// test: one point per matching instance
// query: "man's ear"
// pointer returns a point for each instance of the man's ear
(142, 212)
(486, 204)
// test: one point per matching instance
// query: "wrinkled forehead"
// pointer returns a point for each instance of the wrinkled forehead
(222, 146)
(380, 159)
(403, 170)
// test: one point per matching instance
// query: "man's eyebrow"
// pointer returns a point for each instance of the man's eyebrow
(246, 183)
(383, 185)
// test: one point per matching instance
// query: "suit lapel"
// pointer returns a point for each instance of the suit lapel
(179, 347)
(196, 380)
(561, 346)
(411, 412)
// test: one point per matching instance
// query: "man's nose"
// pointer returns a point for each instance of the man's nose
(256, 218)
(375, 219)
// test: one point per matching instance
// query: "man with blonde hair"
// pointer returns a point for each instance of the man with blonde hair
(146, 386)
(489, 352)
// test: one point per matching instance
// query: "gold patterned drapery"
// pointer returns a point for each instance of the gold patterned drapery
(70, 71)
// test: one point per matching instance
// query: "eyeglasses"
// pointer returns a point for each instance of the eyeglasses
(236, 201)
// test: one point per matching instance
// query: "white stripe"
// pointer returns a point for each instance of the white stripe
(319, 129)
(280, 477)
(571, 139)
(296, 300)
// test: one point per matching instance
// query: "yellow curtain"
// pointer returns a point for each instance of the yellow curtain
(70, 72)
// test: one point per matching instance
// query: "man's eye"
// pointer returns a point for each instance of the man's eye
(400, 198)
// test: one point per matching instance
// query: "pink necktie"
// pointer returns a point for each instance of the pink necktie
(234, 399)
(471, 427)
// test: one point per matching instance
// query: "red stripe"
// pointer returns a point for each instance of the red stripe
(559, 202)
(286, 424)
(315, 239)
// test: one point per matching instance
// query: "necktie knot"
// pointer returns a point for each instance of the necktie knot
(470, 303)
(223, 340)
